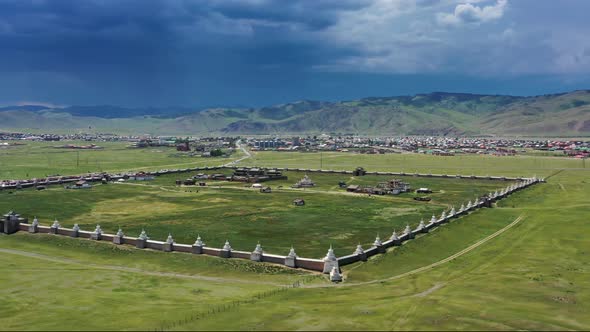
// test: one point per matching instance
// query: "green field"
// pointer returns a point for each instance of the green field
(410, 163)
(528, 274)
(40, 159)
(228, 210)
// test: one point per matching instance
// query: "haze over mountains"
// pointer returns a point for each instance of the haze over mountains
(435, 113)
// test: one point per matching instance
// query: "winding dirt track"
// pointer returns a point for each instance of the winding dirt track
(427, 267)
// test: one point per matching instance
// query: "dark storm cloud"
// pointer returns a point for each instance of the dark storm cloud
(260, 51)
(57, 35)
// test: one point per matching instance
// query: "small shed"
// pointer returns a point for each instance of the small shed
(82, 185)
(257, 186)
(189, 182)
(298, 202)
(423, 191)
(352, 188)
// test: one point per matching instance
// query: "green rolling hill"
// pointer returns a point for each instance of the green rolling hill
(438, 113)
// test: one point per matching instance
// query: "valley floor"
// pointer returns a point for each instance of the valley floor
(523, 264)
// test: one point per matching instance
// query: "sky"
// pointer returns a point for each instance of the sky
(201, 53)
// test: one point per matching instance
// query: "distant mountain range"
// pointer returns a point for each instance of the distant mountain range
(438, 113)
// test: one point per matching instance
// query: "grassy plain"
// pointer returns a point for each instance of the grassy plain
(227, 210)
(39, 159)
(66, 283)
(534, 275)
(410, 163)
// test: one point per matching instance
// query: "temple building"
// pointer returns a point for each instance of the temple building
(304, 183)
(252, 175)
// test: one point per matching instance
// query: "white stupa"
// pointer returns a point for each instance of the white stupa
(394, 236)
(408, 230)
(292, 253)
(199, 241)
(335, 275)
(170, 240)
(359, 250)
(330, 256)
(377, 242)
(421, 225)
(258, 248)
(143, 235)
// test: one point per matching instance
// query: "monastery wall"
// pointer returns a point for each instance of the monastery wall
(291, 261)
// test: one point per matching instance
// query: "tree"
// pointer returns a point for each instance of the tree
(216, 153)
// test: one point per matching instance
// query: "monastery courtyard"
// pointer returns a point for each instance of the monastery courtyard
(241, 213)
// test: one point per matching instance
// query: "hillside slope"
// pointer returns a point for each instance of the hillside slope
(424, 114)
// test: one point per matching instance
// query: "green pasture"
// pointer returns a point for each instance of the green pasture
(40, 159)
(84, 285)
(244, 216)
(533, 275)
(411, 162)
